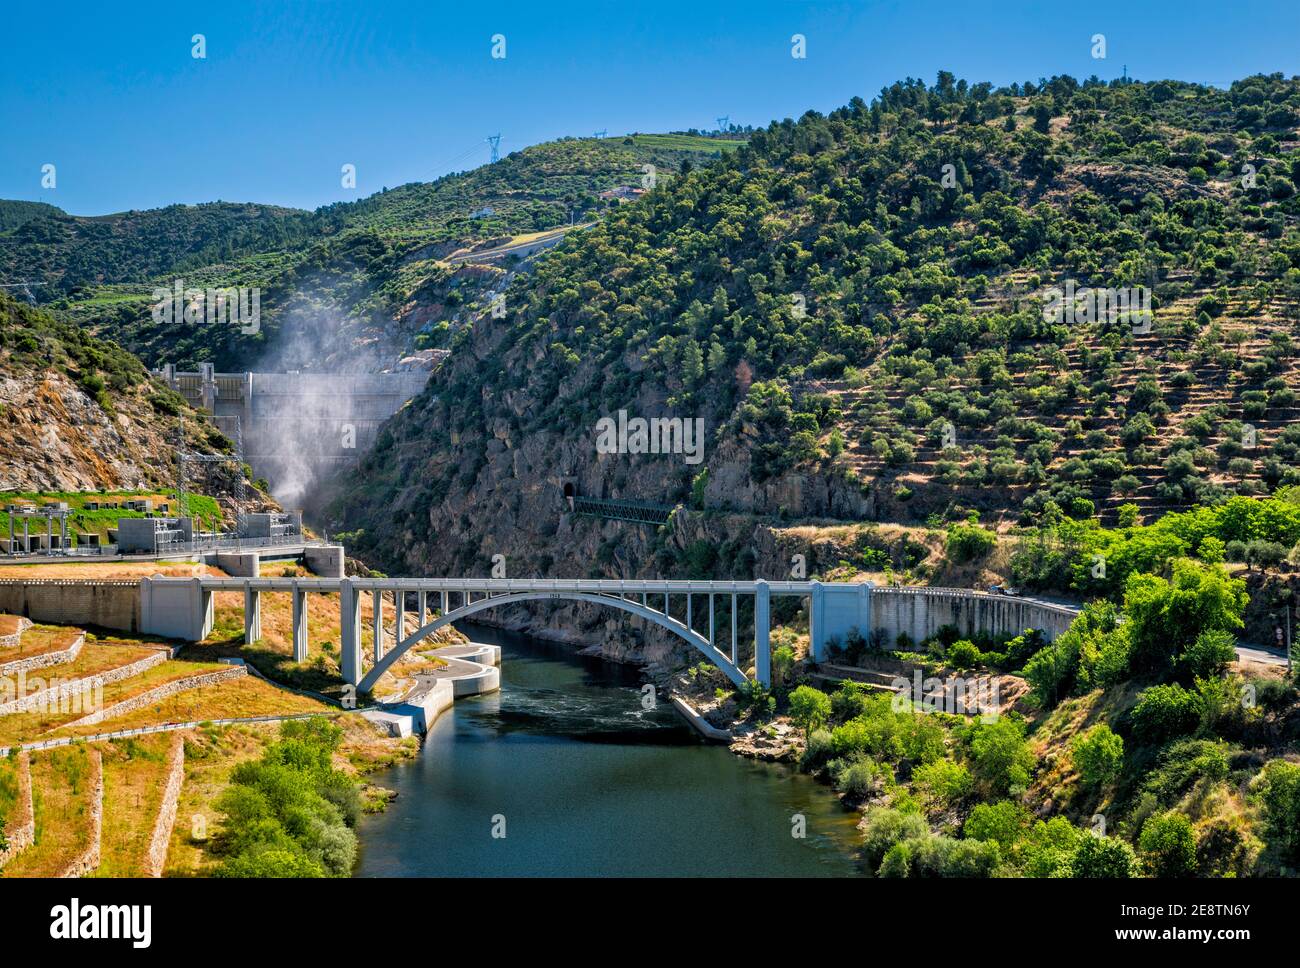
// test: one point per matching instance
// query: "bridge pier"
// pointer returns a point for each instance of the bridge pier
(350, 632)
(299, 623)
(252, 614)
(378, 602)
(763, 633)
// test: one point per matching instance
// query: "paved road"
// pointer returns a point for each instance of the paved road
(1250, 651)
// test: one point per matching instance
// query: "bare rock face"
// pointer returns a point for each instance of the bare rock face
(56, 437)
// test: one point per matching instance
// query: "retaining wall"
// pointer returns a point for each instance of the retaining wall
(164, 691)
(110, 604)
(14, 639)
(44, 660)
(922, 612)
(156, 856)
(89, 858)
(20, 831)
(55, 694)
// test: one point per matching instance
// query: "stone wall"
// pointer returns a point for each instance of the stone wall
(156, 857)
(14, 639)
(52, 696)
(88, 860)
(164, 691)
(44, 660)
(921, 612)
(110, 604)
(21, 829)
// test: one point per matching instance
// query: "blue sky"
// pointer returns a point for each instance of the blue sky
(288, 93)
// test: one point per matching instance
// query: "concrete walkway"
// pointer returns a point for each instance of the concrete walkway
(471, 669)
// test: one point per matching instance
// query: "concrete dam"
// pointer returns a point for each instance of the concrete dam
(296, 428)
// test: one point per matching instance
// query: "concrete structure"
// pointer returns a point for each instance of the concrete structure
(152, 535)
(182, 608)
(49, 541)
(272, 525)
(332, 418)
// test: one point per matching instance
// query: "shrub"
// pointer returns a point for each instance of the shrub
(858, 778)
(809, 708)
(968, 541)
(1210, 654)
(937, 856)
(942, 783)
(1168, 846)
(1102, 857)
(1163, 712)
(817, 751)
(1048, 847)
(849, 700)
(1278, 789)
(1001, 754)
(1098, 755)
(883, 827)
(963, 655)
(1000, 822)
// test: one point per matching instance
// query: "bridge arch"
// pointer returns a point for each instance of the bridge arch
(699, 642)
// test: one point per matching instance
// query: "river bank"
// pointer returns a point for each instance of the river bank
(568, 771)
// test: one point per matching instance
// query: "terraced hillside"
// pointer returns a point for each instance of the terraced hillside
(854, 304)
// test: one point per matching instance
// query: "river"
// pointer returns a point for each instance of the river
(583, 781)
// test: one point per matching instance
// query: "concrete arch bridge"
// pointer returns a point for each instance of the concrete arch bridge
(702, 613)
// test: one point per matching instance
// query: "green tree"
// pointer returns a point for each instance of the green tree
(1002, 756)
(1098, 755)
(1165, 617)
(1168, 846)
(1106, 857)
(809, 708)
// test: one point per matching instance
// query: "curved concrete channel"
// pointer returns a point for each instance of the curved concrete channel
(470, 670)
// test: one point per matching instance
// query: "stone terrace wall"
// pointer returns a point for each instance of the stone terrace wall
(89, 858)
(921, 612)
(156, 857)
(44, 660)
(110, 604)
(72, 688)
(14, 639)
(21, 829)
(151, 696)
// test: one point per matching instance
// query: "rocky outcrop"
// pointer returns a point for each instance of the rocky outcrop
(160, 840)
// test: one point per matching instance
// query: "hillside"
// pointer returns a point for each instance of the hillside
(80, 413)
(14, 213)
(332, 281)
(916, 379)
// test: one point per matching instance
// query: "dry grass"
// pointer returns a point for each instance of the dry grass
(134, 775)
(109, 570)
(61, 794)
(38, 640)
(237, 698)
(210, 755)
(8, 624)
(25, 727)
